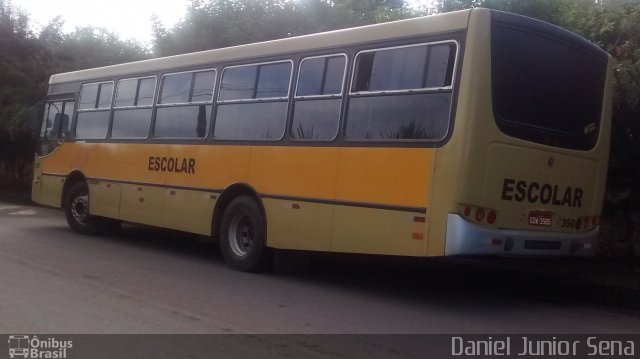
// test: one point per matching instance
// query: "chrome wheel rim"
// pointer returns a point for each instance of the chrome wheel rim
(241, 235)
(80, 208)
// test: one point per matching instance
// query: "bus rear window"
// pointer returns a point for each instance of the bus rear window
(548, 84)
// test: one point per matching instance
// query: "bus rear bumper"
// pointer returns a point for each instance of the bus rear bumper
(466, 238)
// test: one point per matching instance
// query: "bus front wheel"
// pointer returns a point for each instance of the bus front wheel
(243, 236)
(76, 210)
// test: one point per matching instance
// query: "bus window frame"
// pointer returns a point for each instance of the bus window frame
(344, 76)
(113, 88)
(96, 109)
(155, 92)
(157, 105)
(192, 72)
(412, 90)
(262, 99)
(297, 97)
(114, 107)
(426, 90)
(287, 99)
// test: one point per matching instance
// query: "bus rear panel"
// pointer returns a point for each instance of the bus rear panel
(533, 175)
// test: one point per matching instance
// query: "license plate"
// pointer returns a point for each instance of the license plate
(541, 218)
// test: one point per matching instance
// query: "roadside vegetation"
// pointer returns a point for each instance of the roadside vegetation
(29, 56)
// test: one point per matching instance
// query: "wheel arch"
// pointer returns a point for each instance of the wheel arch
(72, 178)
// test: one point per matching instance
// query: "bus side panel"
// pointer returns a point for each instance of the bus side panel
(147, 194)
(90, 159)
(396, 178)
(378, 231)
(189, 211)
(391, 176)
(293, 224)
(300, 174)
(51, 187)
(36, 185)
(214, 167)
(127, 162)
(105, 198)
(54, 168)
(307, 172)
(139, 201)
(142, 204)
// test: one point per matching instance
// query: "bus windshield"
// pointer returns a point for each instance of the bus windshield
(547, 84)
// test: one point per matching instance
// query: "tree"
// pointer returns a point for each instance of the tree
(454, 5)
(20, 88)
(615, 27)
(222, 23)
(86, 47)
(26, 62)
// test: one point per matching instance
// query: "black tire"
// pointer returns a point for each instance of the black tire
(76, 210)
(243, 236)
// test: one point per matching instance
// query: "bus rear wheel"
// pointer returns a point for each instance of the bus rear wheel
(243, 236)
(76, 210)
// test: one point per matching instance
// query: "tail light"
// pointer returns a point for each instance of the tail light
(491, 217)
(479, 214)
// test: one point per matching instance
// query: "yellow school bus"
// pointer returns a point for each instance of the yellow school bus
(475, 132)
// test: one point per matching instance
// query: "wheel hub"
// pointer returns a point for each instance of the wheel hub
(80, 208)
(241, 235)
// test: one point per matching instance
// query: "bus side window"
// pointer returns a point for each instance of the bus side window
(318, 99)
(440, 66)
(253, 101)
(52, 120)
(186, 96)
(94, 108)
(132, 109)
(402, 93)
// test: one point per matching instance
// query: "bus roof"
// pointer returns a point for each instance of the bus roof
(452, 21)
